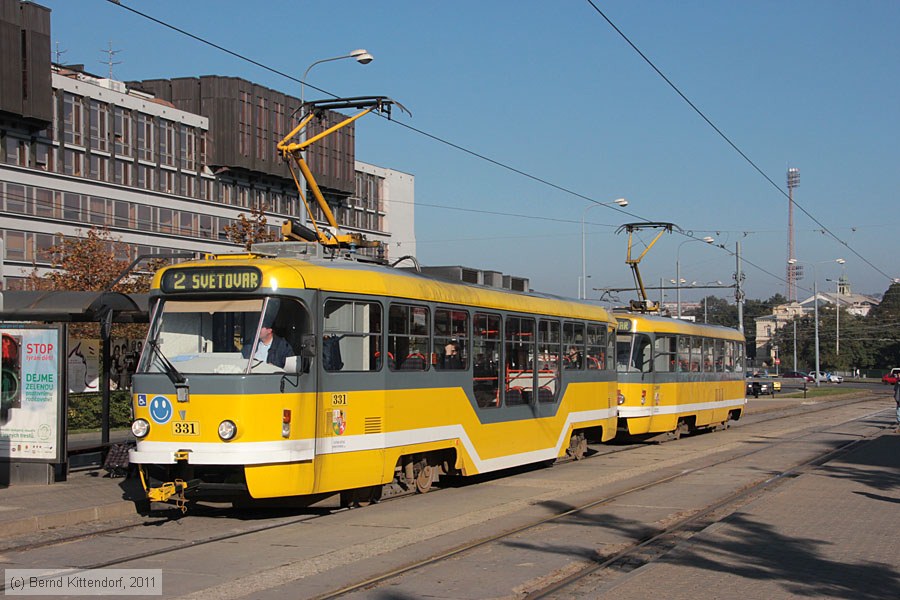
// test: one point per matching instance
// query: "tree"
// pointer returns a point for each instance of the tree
(248, 231)
(90, 263)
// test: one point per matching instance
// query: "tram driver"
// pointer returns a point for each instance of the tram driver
(271, 348)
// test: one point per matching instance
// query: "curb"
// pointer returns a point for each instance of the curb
(78, 516)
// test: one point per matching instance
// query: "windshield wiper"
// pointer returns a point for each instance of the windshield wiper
(173, 374)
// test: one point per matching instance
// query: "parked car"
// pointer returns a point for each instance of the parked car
(756, 387)
(796, 375)
(892, 377)
(825, 377)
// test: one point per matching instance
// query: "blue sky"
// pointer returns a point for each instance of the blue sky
(550, 89)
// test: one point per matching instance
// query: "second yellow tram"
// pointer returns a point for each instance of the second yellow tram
(676, 377)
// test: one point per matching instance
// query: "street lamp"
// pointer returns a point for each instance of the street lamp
(582, 285)
(837, 315)
(678, 280)
(793, 261)
(361, 55)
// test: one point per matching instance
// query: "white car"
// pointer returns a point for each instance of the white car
(825, 377)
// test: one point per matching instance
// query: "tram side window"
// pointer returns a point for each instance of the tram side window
(610, 348)
(352, 336)
(408, 337)
(719, 355)
(451, 339)
(696, 354)
(664, 353)
(486, 368)
(739, 357)
(708, 355)
(595, 357)
(519, 360)
(573, 346)
(684, 354)
(548, 351)
(729, 356)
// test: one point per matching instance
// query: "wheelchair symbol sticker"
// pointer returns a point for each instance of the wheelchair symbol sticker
(160, 409)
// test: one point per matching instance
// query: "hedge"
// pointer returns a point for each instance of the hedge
(85, 410)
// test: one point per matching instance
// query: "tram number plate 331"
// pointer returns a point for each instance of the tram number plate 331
(339, 399)
(186, 428)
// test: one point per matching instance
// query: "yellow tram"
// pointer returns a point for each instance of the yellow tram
(676, 376)
(359, 392)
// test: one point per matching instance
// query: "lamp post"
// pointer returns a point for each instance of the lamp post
(837, 315)
(361, 56)
(840, 261)
(582, 285)
(678, 280)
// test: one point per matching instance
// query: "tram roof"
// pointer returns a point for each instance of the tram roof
(351, 277)
(660, 324)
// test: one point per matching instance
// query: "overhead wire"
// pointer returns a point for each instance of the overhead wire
(730, 142)
(497, 162)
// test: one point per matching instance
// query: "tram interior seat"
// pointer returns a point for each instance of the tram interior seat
(515, 395)
(413, 362)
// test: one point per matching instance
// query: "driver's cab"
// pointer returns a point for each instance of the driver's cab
(227, 336)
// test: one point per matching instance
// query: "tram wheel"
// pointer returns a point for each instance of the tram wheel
(361, 496)
(424, 479)
(680, 430)
(577, 446)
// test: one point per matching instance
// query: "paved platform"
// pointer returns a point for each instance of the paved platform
(829, 533)
(89, 496)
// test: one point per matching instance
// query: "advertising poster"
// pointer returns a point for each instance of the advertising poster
(83, 366)
(31, 393)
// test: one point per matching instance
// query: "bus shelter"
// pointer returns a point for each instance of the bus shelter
(34, 324)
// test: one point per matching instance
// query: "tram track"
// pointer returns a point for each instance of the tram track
(643, 550)
(604, 450)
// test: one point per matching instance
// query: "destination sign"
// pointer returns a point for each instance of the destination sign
(212, 279)
(624, 325)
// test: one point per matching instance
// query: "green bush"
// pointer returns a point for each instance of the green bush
(84, 410)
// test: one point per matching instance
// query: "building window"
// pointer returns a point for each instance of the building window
(73, 120)
(99, 168)
(44, 156)
(145, 137)
(123, 172)
(262, 141)
(46, 203)
(73, 162)
(167, 141)
(145, 217)
(99, 119)
(245, 127)
(167, 181)
(16, 152)
(165, 220)
(99, 213)
(123, 136)
(15, 199)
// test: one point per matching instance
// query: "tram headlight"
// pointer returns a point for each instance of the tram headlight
(227, 430)
(140, 428)
(620, 397)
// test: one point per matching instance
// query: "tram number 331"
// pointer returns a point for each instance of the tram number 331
(186, 428)
(339, 399)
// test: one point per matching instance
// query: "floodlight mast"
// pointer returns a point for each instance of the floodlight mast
(644, 305)
(292, 151)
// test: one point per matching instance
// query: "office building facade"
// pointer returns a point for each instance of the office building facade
(165, 165)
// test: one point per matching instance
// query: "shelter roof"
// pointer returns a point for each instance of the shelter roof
(72, 307)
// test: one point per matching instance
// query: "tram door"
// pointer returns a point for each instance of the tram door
(351, 397)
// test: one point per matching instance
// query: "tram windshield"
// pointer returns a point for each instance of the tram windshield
(633, 353)
(260, 335)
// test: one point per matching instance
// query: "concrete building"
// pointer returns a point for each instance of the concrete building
(165, 165)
